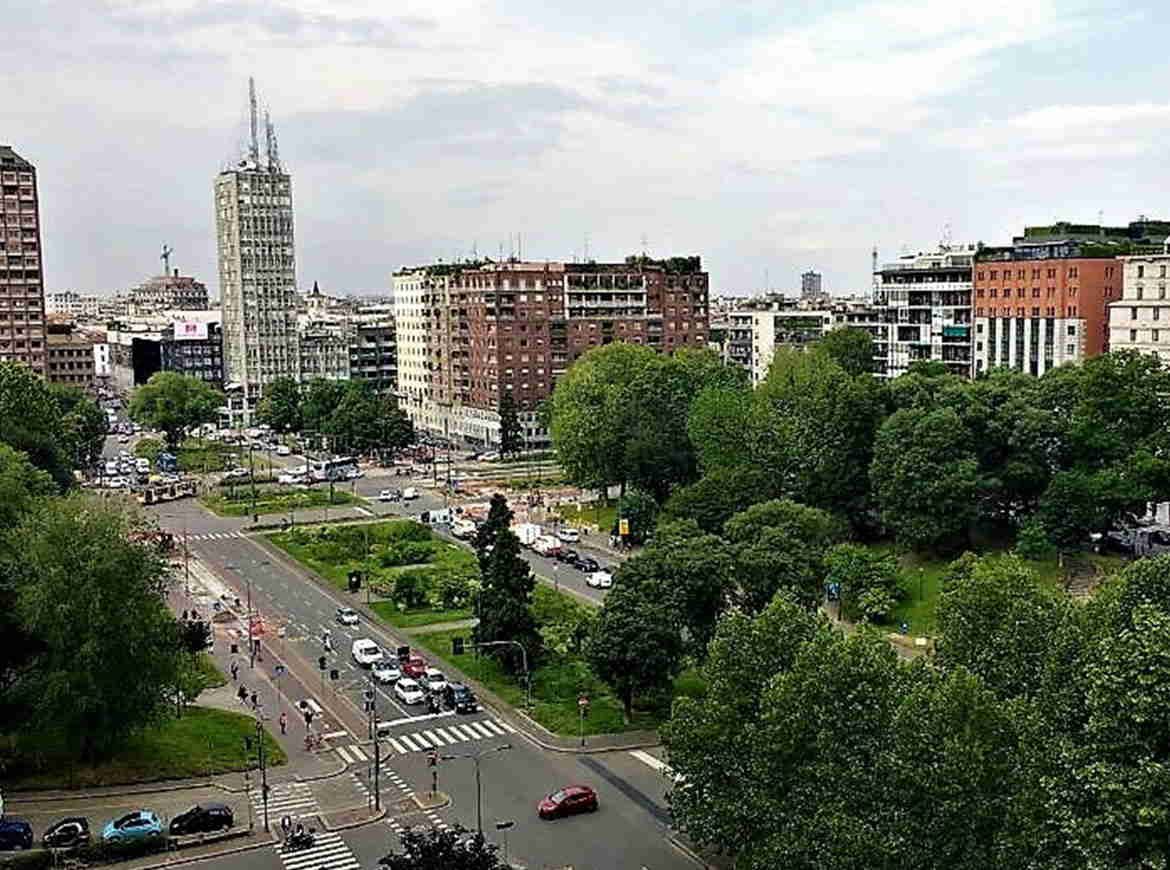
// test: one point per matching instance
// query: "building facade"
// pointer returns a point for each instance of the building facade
(76, 306)
(323, 348)
(923, 307)
(193, 345)
(810, 285)
(257, 275)
(168, 293)
(22, 288)
(470, 334)
(69, 356)
(373, 351)
(1140, 320)
(755, 334)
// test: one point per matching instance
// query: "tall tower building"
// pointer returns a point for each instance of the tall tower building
(22, 288)
(257, 271)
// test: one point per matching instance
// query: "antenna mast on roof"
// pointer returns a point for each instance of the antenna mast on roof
(270, 145)
(586, 257)
(253, 143)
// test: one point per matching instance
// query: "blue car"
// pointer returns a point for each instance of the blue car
(134, 826)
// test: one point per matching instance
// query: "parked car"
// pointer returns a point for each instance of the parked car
(409, 494)
(460, 698)
(365, 652)
(347, 616)
(236, 474)
(599, 580)
(568, 801)
(387, 495)
(569, 535)
(490, 456)
(67, 833)
(463, 529)
(414, 666)
(386, 672)
(569, 557)
(546, 546)
(139, 825)
(433, 680)
(15, 833)
(289, 478)
(408, 691)
(283, 450)
(202, 819)
(587, 564)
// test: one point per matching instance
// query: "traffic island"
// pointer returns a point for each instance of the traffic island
(429, 800)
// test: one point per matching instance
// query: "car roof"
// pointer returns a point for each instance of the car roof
(407, 683)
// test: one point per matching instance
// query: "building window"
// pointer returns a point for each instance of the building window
(1154, 335)
(1157, 313)
(1141, 271)
(1133, 335)
(1140, 291)
(1072, 330)
(1133, 314)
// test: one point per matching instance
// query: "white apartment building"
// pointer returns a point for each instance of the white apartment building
(78, 306)
(1140, 319)
(413, 291)
(924, 305)
(755, 334)
(257, 275)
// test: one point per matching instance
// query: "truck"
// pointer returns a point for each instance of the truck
(546, 545)
(528, 533)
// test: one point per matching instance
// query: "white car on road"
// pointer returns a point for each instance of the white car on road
(599, 580)
(409, 493)
(386, 672)
(386, 495)
(283, 450)
(569, 536)
(347, 616)
(365, 652)
(434, 680)
(409, 692)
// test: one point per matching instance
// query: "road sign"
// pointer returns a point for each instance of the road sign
(623, 527)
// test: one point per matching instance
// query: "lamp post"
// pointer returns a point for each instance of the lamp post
(476, 757)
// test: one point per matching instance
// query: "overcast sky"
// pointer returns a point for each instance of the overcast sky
(768, 137)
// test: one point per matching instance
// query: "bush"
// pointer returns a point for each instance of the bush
(1032, 542)
(34, 859)
(869, 581)
(405, 552)
(412, 589)
(101, 852)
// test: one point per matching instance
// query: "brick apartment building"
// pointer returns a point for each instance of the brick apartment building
(22, 293)
(1044, 300)
(487, 329)
(70, 356)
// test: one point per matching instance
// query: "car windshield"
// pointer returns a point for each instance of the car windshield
(407, 685)
(125, 820)
(557, 796)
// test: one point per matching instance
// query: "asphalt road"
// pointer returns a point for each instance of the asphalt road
(629, 830)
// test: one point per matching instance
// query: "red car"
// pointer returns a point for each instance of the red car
(568, 801)
(414, 667)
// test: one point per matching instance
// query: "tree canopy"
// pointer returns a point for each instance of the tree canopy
(175, 403)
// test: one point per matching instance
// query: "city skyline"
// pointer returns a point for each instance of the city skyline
(744, 138)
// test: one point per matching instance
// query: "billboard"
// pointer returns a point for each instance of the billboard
(190, 330)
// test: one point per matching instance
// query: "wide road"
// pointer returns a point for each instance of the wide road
(629, 830)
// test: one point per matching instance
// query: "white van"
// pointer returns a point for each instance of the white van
(365, 652)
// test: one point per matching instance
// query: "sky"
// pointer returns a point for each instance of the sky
(767, 137)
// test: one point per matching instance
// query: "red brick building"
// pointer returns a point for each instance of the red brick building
(22, 293)
(514, 327)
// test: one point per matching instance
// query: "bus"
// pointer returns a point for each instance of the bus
(338, 468)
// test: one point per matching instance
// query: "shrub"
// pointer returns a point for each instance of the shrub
(100, 851)
(34, 859)
(405, 552)
(412, 589)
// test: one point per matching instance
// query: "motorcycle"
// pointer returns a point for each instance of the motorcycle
(301, 840)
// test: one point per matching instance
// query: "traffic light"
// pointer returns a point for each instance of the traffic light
(321, 662)
(457, 646)
(334, 674)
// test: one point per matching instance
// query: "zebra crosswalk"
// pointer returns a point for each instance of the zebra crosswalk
(352, 754)
(328, 852)
(438, 736)
(214, 536)
(292, 799)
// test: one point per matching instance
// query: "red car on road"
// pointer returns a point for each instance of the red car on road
(414, 667)
(568, 801)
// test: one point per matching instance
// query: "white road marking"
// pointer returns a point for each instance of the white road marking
(479, 729)
(344, 755)
(488, 723)
(406, 741)
(361, 756)
(419, 739)
(397, 745)
(334, 734)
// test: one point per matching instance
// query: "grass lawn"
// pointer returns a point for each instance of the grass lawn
(203, 742)
(211, 675)
(922, 584)
(601, 513)
(389, 612)
(269, 500)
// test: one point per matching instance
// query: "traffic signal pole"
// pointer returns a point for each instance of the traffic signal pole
(372, 706)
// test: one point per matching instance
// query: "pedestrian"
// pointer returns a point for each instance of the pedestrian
(243, 693)
(283, 722)
(285, 827)
(235, 670)
(254, 702)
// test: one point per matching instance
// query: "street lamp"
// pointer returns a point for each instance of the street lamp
(476, 758)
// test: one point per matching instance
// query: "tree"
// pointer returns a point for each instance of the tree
(640, 509)
(924, 477)
(634, 646)
(687, 571)
(499, 520)
(780, 544)
(30, 421)
(450, 849)
(175, 403)
(813, 426)
(1080, 502)
(718, 426)
(95, 601)
(720, 494)
(511, 433)
(194, 636)
(1032, 541)
(505, 603)
(84, 425)
(850, 348)
(869, 581)
(280, 407)
(319, 401)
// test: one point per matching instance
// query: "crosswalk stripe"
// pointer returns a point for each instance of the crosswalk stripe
(479, 729)
(319, 858)
(488, 723)
(434, 738)
(507, 727)
(361, 756)
(407, 743)
(445, 735)
(344, 755)
(420, 740)
(467, 733)
(397, 745)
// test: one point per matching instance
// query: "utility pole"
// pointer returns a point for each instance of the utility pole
(263, 768)
(372, 704)
(251, 632)
(476, 758)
